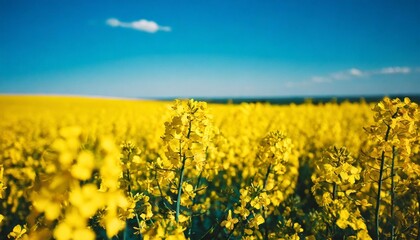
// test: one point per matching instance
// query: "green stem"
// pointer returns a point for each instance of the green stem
(266, 176)
(129, 182)
(127, 173)
(138, 220)
(128, 179)
(181, 179)
(194, 202)
(381, 171)
(125, 235)
(263, 208)
(334, 191)
(131, 195)
(392, 194)
(378, 197)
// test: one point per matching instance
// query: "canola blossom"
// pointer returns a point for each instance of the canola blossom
(84, 168)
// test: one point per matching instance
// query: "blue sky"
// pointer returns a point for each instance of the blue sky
(212, 48)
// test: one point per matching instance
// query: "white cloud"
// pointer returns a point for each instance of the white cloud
(318, 79)
(113, 22)
(394, 70)
(140, 25)
(353, 73)
(338, 76)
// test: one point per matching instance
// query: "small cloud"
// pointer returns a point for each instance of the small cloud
(355, 72)
(340, 75)
(318, 79)
(394, 70)
(113, 22)
(140, 25)
(291, 84)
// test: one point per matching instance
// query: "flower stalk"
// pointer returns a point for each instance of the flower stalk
(181, 180)
(380, 181)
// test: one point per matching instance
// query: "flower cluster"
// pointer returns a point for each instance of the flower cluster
(179, 173)
(187, 134)
(394, 143)
(70, 193)
(334, 188)
(260, 200)
(396, 126)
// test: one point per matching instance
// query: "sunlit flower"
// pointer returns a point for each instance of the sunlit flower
(230, 222)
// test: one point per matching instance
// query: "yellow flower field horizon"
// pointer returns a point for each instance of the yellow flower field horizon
(86, 168)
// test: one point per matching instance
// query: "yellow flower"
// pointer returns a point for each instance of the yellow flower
(342, 221)
(256, 221)
(113, 225)
(242, 211)
(230, 222)
(84, 166)
(17, 232)
(274, 151)
(363, 203)
(83, 233)
(248, 231)
(297, 228)
(245, 197)
(2, 187)
(63, 231)
(87, 199)
(363, 234)
(51, 208)
(261, 200)
(183, 218)
(187, 134)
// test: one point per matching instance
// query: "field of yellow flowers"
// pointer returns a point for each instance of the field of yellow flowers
(85, 168)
